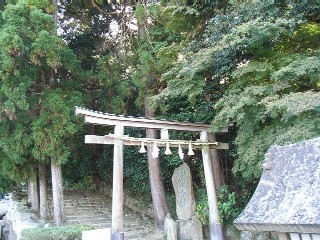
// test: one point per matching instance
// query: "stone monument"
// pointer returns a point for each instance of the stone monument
(188, 225)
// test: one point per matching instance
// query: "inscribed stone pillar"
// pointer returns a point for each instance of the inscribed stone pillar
(182, 184)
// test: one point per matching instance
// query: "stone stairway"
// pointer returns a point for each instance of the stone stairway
(91, 208)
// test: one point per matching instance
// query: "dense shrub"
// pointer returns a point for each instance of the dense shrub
(73, 232)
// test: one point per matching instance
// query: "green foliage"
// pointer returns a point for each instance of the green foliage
(136, 171)
(141, 13)
(37, 3)
(171, 197)
(42, 51)
(306, 35)
(6, 185)
(273, 98)
(158, 47)
(262, 63)
(84, 183)
(55, 126)
(227, 206)
(119, 89)
(73, 232)
(202, 208)
(211, 58)
(36, 109)
(105, 165)
(236, 2)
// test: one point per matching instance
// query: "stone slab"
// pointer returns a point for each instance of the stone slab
(287, 198)
(190, 229)
(97, 234)
(170, 227)
(182, 184)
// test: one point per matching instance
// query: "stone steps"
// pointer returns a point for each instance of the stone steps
(89, 207)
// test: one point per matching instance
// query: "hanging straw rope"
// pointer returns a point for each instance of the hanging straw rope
(162, 142)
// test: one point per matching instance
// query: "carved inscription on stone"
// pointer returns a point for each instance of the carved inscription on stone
(181, 187)
(182, 183)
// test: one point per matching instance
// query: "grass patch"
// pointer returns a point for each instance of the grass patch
(72, 232)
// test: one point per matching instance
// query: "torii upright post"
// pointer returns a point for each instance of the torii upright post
(215, 226)
(117, 188)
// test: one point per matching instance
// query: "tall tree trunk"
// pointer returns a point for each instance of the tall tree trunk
(57, 194)
(216, 165)
(159, 198)
(56, 171)
(33, 196)
(44, 206)
(158, 194)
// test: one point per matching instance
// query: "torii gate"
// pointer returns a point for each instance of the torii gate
(118, 139)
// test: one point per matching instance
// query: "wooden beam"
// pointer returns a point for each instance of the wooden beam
(110, 139)
(99, 118)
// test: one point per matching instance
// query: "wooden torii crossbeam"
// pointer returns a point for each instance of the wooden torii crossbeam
(131, 141)
(118, 139)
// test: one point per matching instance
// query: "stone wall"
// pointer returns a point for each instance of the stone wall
(19, 217)
(230, 232)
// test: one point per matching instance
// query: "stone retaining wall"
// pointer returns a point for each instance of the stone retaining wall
(18, 217)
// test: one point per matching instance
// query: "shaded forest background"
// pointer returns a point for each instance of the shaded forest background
(254, 64)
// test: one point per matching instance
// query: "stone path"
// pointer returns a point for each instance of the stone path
(92, 208)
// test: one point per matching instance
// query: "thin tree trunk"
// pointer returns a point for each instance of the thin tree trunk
(216, 165)
(57, 194)
(159, 199)
(44, 206)
(29, 191)
(33, 196)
